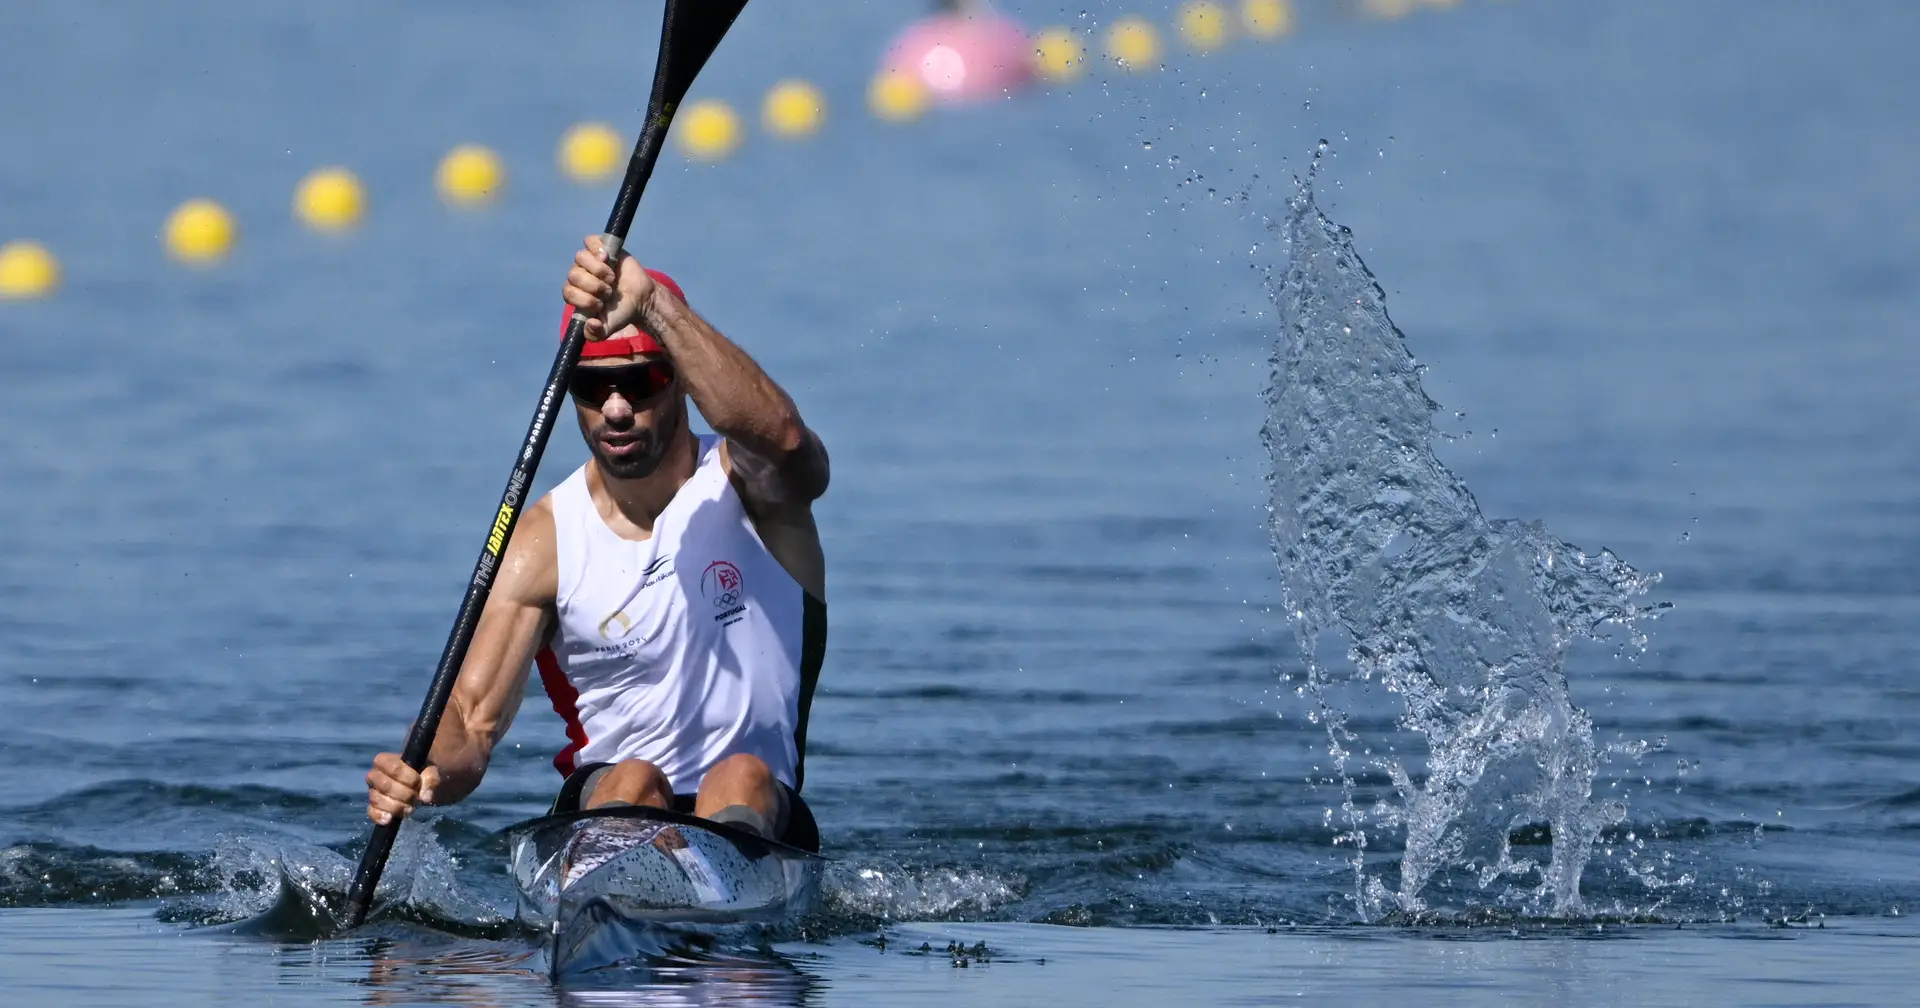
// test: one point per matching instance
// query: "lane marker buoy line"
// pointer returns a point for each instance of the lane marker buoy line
(202, 233)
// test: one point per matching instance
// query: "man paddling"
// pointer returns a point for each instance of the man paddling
(670, 590)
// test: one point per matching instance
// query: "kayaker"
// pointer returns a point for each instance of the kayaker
(670, 591)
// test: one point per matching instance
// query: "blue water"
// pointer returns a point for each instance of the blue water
(1656, 254)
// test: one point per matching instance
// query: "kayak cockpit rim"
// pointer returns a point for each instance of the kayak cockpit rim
(746, 840)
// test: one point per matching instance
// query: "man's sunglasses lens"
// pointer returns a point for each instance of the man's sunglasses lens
(636, 383)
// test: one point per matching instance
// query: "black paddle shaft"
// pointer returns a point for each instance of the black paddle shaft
(690, 31)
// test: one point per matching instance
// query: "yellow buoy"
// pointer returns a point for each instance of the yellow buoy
(1387, 10)
(897, 97)
(329, 199)
(1267, 19)
(27, 271)
(199, 233)
(1057, 54)
(793, 109)
(708, 130)
(1133, 44)
(1203, 24)
(470, 176)
(589, 152)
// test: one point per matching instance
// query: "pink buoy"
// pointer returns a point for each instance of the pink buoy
(962, 57)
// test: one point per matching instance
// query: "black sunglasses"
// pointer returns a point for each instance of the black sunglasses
(636, 383)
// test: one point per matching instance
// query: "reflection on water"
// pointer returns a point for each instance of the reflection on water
(768, 981)
(427, 969)
(421, 967)
(55, 957)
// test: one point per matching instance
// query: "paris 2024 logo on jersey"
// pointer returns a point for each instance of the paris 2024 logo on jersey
(722, 587)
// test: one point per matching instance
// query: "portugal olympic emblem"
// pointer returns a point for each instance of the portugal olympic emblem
(721, 585)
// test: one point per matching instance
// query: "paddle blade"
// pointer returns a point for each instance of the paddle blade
(689, 33)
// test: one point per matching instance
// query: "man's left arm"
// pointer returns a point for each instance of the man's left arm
(788, 466)
(776, 464)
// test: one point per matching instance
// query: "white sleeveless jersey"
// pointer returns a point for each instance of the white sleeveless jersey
(685, 648)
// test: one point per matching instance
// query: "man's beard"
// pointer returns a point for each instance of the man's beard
(651, 446)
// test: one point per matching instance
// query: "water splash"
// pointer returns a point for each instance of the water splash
(1468, 619)
(892, 892)
(290, 889)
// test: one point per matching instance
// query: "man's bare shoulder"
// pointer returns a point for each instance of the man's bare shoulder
(530, 571)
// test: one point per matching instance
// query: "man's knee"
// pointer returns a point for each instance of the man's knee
(740, 770)
(632, 782)
(741, 790)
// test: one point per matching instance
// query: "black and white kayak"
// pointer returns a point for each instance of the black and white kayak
(605, 884)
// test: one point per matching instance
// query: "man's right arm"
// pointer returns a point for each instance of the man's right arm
(492, 681)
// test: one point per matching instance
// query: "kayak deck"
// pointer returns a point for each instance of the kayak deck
(598, 881)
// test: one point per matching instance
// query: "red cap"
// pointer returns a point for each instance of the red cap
(641, 342)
